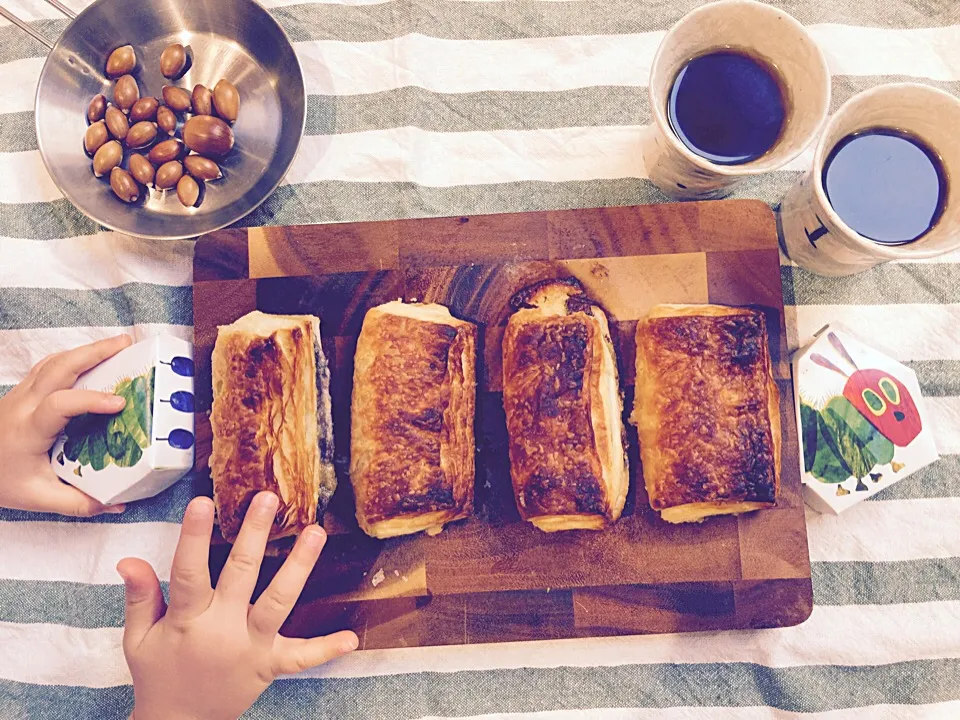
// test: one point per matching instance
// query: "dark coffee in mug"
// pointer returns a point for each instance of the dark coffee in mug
(886, 185)
(727, 107)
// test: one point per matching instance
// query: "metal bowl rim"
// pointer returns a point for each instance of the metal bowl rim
(69, 197)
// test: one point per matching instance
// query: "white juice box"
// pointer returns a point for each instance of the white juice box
(861, 421)
(147, 447)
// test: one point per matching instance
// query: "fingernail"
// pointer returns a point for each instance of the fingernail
(200, 509)
(313, 537)
(351, 643)
(267, 502)
(115, 509)
(115, 401)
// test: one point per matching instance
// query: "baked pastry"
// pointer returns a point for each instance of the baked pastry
(414, 397)
(271, 421)
(561, 395)
(707, 412)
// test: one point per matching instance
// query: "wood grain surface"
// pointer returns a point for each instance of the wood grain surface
(493, 577)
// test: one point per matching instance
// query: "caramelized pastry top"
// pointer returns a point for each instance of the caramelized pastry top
(711, 430)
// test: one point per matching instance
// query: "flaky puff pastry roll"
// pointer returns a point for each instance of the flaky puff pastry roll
(707, 412)
(271, 421)
(561, 395)
(412, 437)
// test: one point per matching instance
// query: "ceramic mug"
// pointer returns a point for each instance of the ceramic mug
(815, 237)
(757, 30)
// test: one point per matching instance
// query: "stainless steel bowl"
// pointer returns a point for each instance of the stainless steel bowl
(233, 39)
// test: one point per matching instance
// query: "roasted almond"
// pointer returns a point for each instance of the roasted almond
(126, 93)
(202, 168)
(107, 158)
(96, 108)
(188, 191)
(207, 135)
(123, 184)
(121, 61)
(226, 100)
(202, 100)
(141, 169)
(168, 175)
(173, 60)
(176, 98)
(164, 152)
(95, 136)
(166, 120)
(117, 123)
(144, 109)
(141, 134)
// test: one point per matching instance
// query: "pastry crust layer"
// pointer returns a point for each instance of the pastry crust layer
(563, 407)
(707, 411)
(412, 436)
(271, 422)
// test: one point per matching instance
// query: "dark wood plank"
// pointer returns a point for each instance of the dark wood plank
(323, 249)
(643, 609)
(661, 229)
(222, 255)
(773, 602)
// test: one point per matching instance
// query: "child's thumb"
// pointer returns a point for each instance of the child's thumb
(144, 600)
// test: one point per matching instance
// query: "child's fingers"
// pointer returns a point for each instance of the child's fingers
(276, 602)
(190, 588)
(294, 655)
(144, 604)
(56, 409)
(239, 575)
(62, 371)
(55, 496)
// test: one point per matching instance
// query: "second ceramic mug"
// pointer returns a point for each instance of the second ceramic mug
(756, 30)
(813, 234)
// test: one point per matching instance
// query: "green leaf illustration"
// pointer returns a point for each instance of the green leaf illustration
(861, 445)
(97, 444)
(874, 448)
(829, 465)
(808, 429)
(98, 440)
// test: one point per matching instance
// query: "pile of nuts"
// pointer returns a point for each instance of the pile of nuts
(145, 130)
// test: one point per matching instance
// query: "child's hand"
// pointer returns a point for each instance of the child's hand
(31, 417)
(210, 654)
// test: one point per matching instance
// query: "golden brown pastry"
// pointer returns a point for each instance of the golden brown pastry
(707, 411)
(561, 395)
(271, 421)
(412, 441)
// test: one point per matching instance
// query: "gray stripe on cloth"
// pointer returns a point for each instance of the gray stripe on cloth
(410, 106)
(938, 480)
(168, 507)
(533, 19)
(64, 603)
(16, 44)
(4, 389)
(886, 583)
(45, 220)
(811, 688)
(937, 378)
(133, 303)
(336, 201)
(525, 19)
(841, 583)
(887, 284)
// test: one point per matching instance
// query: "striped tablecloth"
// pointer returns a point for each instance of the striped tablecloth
(432, 107)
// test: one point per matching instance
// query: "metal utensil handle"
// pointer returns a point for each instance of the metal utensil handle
(29, 30)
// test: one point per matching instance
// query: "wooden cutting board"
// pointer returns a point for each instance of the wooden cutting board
(495, 578)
